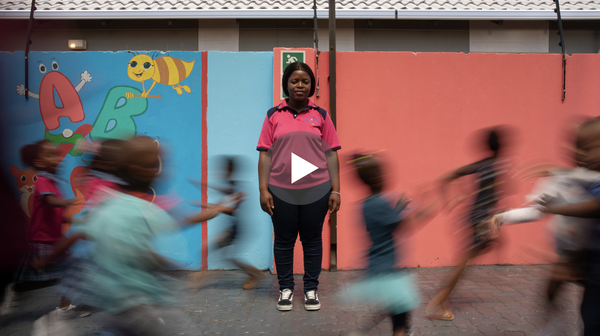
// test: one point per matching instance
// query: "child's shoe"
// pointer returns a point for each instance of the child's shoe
(71, 311)
(10, 300)
(254, 280)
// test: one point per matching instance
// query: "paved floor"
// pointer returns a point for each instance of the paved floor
(491, 300)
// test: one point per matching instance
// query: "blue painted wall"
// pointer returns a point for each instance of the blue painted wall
(240, 89)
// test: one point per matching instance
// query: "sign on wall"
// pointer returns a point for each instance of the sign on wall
(283, 58)
(288, 57)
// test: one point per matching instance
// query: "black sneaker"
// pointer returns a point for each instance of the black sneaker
(285, 300)
(311, 300)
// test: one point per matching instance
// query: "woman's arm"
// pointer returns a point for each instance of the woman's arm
(266, 199)
(333, 167)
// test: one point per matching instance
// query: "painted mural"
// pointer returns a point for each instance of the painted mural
(164, 70)
(77, 99)
(25, 179)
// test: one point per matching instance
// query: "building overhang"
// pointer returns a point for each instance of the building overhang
(390, 14)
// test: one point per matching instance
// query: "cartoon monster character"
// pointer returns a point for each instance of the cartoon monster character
(78, 180)
(26, 179)
(165, 70)
(69, 105)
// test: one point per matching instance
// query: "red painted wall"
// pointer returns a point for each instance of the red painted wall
(423, 108)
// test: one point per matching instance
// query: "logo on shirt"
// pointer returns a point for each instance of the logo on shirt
(312, 121)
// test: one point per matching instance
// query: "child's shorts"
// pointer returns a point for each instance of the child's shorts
(394, 292)
(75, 285)
(580, 265)
(40, 251)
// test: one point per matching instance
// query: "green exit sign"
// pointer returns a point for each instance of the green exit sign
(287, 58)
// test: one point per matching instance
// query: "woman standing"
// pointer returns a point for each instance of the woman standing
(296, 203)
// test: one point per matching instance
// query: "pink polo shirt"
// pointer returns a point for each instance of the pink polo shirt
(46, 220)
(283, 120)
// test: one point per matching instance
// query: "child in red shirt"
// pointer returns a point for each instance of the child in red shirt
(46, 221)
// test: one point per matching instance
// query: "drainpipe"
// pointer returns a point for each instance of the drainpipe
(332, 114)
(29, 30)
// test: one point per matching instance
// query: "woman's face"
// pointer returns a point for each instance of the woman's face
(299, 85)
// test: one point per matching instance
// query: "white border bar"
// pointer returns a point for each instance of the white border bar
(303, 14)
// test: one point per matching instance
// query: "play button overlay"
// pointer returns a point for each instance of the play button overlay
(299, 167)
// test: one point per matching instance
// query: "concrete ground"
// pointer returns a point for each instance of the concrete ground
(490, 300)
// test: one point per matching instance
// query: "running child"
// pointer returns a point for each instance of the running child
(123, 227)
(46, 222)
(384, 284)
(103, 170)
(588, 144)
(101, 177)
(231, 236)
(573, 236)
(488, 195)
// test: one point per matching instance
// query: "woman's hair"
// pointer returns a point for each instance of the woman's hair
(288, 73)
(30, 153)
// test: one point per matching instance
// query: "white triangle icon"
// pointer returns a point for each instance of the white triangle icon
(301, 168)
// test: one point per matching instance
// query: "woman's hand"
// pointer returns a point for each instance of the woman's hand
(334, 202)
(266, 202)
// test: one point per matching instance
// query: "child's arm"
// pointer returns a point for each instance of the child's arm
(589, 208)
(422, 216)
(522, 215)
(204, 216)
(54, 201)
(460, 172)
(227, 210)
(60, 247)
(539, 170)
(198, 183)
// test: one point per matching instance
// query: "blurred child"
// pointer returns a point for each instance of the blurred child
(488, 195)
(101, 177)
(103, 170)
(231, 235)
(384, 284)
(574, 236)
(588, 146)
(123, 227)
(46, 222)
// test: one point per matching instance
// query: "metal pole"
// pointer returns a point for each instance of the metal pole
(332, 114)
(563, 48)
(332, 63)
(316, 44)
(29, 30)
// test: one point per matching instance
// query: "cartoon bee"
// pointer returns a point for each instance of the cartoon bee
(164, 70)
